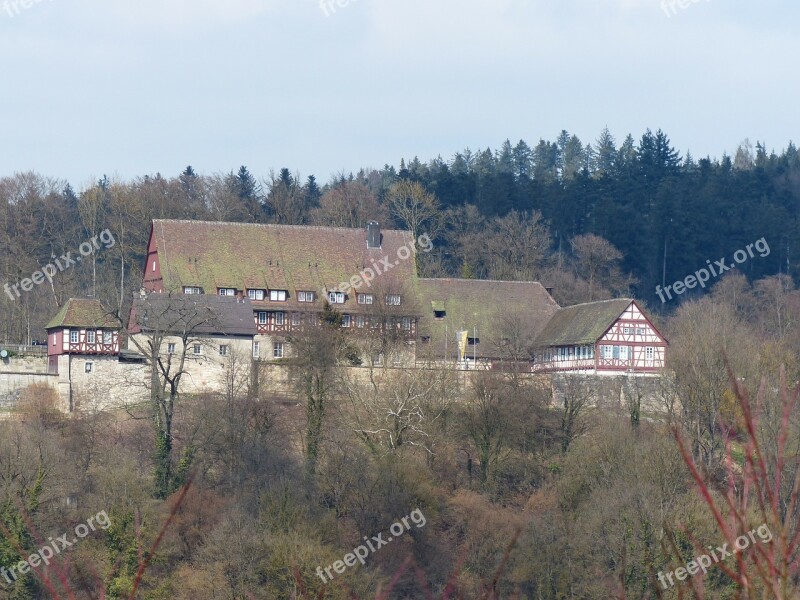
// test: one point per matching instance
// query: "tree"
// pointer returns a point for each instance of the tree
(597, 260)
(349, 204)
(415, 208)
(158, 320)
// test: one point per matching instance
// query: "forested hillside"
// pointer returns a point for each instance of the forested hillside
(589, 219)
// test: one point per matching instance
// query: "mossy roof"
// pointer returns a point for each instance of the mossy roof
(84, 313)
(488, 305)
(582, 323)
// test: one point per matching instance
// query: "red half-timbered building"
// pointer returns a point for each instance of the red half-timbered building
(81, 327)
(605, 337)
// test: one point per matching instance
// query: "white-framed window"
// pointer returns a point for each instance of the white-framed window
(108, 338)
(192, 290)
(73, 336)
(277, 350)
(627, 330)
(305, 296)
(90, 336)
(170, 348)
(623, 353)
(262, 317)
(227, 291)
(642, 331)
(223, 350)
(606, 351)
(256, 350)
(277, 295)
(345, 320)
(255, 294)
(295, 319)
(393, 299)
(649, 352)
(365, 298)
(563, 353)
(198, 349)
(406, 323)
(88, 367)
(336, 297)
(360, 320)
(280, 318)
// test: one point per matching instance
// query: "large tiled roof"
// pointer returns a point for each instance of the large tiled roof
(582, 323)
(84, 313)
(212, 255)
(198, 314)
(490, 306)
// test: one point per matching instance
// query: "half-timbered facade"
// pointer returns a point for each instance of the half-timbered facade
(605, 337)
(289, 273)
(81, 328)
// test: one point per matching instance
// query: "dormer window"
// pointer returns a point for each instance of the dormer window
(393, 300)
(256, 294)
(192, 290)
(227, 291)
(277, 295)
(336, 297)
(439, 314)
(305, 296)
(365, 298)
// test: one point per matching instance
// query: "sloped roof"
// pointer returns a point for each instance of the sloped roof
(279, 257)
(84, 313)
(198, 314)
(582, 323)
(487, 305)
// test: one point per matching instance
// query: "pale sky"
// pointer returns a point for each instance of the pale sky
(138, 87)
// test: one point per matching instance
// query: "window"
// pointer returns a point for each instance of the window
(277, 295)
(305, 296)
(643, 331)
(562, 354)
(90, 337)
(606, 351)
(154, 265)
(198, 349)
(255, 294)
(471, 341)
(649, 353)
(336, 297)
(223, 350)
(623, 353)
(262, 318)
(108, 338)
(277, 350)
(615, 351)
(295, 319)
(365, 298)
(170, 348)
(393, 300)
(192, 290)
(280, 317)
(360, 321)
(73, 336)
(406, 324)
(439, 314)
(88, 367)
(627, 330)
(345, 320)
(425, 339)
(227, 292)
(256, 350)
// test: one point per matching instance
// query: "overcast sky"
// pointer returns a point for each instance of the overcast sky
(144, 86)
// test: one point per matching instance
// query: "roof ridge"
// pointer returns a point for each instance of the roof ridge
(271, 225)
(597, 302)
(486, 280)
